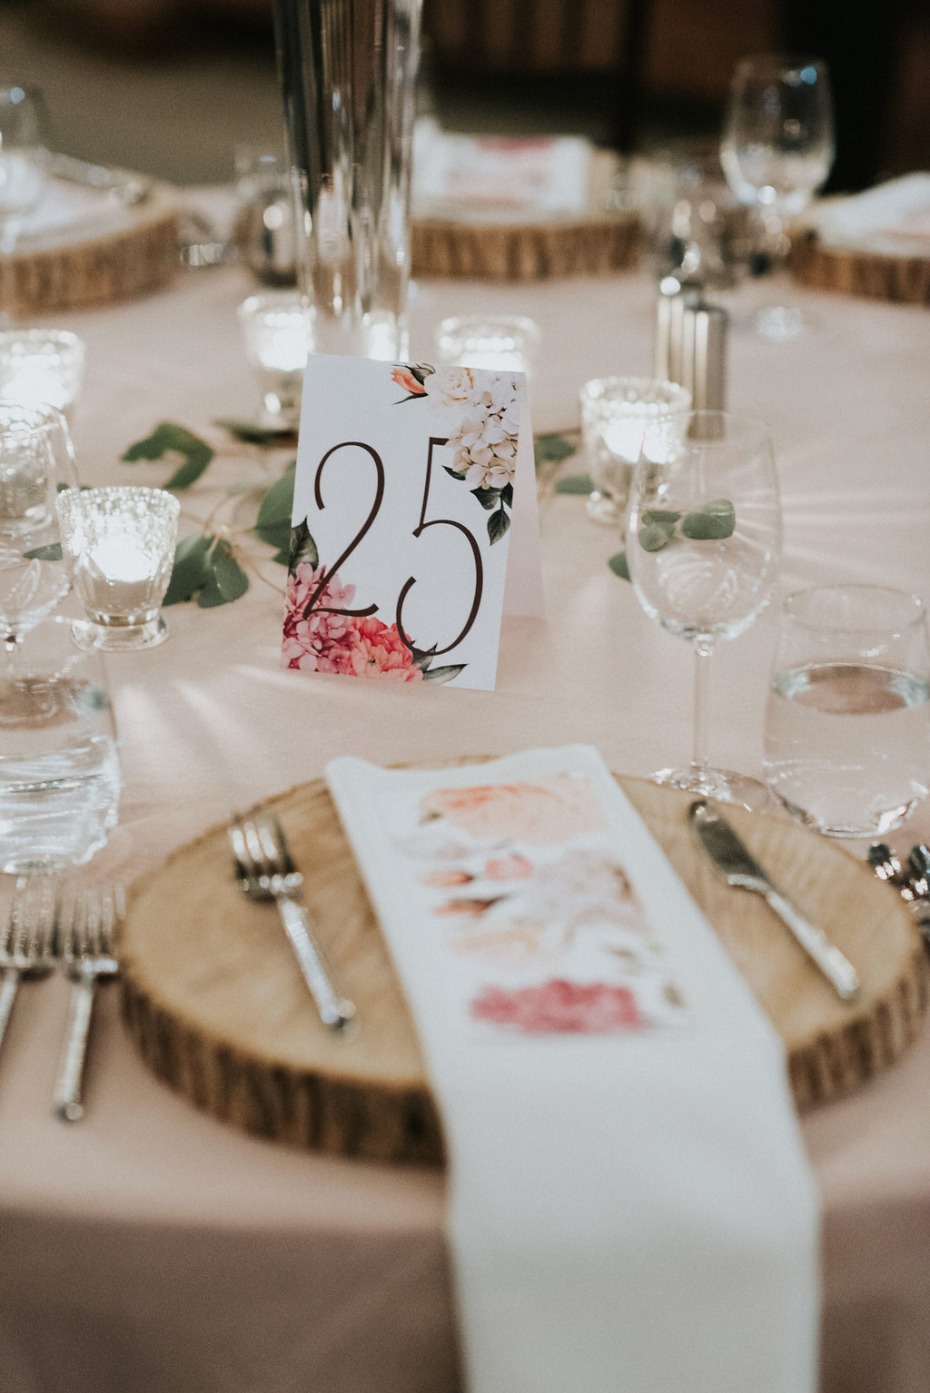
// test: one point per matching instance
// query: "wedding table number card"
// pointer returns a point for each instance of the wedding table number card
(414, 521)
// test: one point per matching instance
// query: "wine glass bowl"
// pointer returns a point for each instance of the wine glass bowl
(703, 549)
(776, 151)
(22, 178)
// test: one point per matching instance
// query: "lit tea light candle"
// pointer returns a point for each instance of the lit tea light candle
(41, 366)
(276, 329)
(615, 412)
(503, 343)
(119, 545)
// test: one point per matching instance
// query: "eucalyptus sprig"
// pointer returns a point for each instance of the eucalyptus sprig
(713, 522)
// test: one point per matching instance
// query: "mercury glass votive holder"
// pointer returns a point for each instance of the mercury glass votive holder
(498, 342)
(118, 543)
(41, 366)
(277, 331)
(615, 412)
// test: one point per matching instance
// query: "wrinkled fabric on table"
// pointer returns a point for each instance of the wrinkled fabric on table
(152, 1247)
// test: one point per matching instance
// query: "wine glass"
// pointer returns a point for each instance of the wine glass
(36, 463)
(776, 151)
(22, 179)
(703, 542)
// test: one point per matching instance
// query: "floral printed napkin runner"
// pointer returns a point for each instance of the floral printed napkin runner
(629, 1201)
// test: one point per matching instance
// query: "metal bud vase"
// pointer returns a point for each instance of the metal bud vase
(348, 71)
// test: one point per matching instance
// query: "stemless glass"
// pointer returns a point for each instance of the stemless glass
(22, 179)
(776, 151)
(703, 547)
(847, 726)
(36, 465)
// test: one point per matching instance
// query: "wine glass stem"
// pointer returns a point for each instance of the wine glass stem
(703, 648)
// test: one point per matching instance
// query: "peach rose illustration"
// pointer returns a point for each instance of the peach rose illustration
(577, 1008)
(540, 814)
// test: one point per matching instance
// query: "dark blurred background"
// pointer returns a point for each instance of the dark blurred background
(169, 87)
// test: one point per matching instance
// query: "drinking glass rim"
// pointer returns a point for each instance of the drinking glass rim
(75, 497)
(736, 418)
(792, 602)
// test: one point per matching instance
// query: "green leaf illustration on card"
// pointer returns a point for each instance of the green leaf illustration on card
(498, 524)
(171, 440)
(443, 674)
(302, 549)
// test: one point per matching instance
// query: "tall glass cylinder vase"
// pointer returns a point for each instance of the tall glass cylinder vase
(348, 71)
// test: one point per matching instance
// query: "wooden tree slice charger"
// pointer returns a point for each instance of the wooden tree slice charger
(856, 271)
(131, 252)
(594, 242)
(216, 1005)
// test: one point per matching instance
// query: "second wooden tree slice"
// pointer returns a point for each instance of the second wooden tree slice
(215, 1002)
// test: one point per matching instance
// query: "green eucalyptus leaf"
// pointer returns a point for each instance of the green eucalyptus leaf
(278, 503)
(662, 516)
(619, 565)
(255, 433)
(191, 570)
(50, 553)
(712, 523)
(226, 582)
(301, 548)
(498, 523)
(488, 498)
(168, 438)
(575, 483)
(443, 674)
(552, 447)
(653, 536)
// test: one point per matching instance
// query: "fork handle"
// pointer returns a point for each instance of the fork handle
(335, 1010)
(68, 1103)
(8, 988)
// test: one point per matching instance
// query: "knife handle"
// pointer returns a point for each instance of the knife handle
(834, 965)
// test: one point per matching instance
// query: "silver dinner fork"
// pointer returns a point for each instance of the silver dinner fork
(265, 870)
(89, 924)
(27, 942)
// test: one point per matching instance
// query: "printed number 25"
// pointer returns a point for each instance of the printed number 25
(421, 527)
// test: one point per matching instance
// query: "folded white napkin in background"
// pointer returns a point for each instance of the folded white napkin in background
(630, 1205)
(893, 218)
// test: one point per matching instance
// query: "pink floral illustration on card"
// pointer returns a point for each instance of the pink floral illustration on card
(558, 1005)
(322, 638)
(539, 814)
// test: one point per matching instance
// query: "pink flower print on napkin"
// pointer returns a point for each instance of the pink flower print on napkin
(539, 814)
(512, 867)
(560, 1006)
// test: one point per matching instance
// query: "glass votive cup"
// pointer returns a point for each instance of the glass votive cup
(59, 762)
(277, 331)
(118, 544)
(847, 722)
(41, 366)
(500, 342)
(615, 412)
(36, 459)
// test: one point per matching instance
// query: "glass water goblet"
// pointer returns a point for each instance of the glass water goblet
(22, 179)
(703, 544)
(36, 465)
(776, 152)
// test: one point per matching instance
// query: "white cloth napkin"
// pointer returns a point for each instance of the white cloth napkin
(893, 218)
(630, 1207)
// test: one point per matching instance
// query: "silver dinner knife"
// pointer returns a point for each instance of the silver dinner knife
(739, 868)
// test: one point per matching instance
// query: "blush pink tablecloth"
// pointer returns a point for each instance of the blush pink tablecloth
(153, 1248)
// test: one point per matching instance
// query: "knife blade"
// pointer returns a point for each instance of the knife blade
(739, 868)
